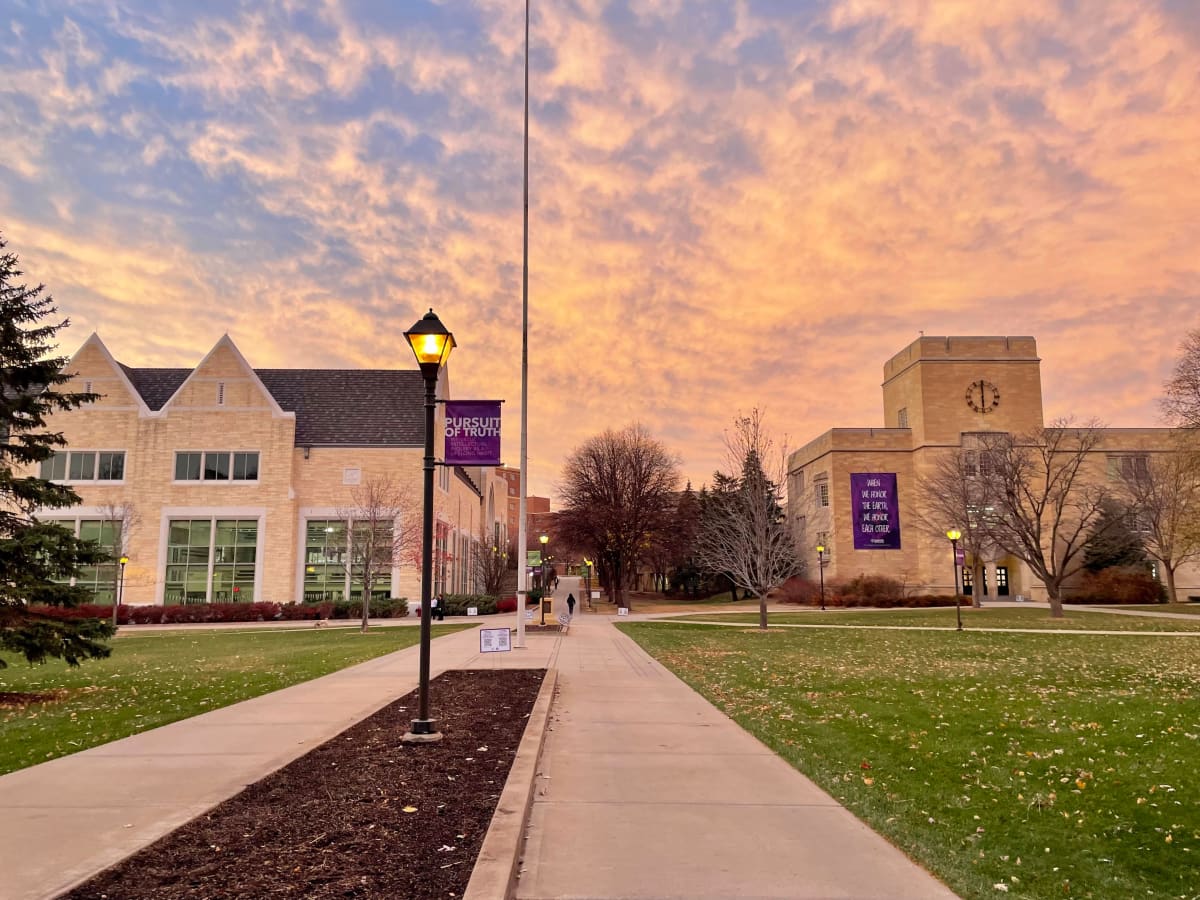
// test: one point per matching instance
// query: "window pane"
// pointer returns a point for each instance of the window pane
(83, 466)
(226, 533)
(90, 530)
(247, 533)
(216, 466)
(245, 466)
(55, 467)
(112, 466)
(201, 532)
(187, 466)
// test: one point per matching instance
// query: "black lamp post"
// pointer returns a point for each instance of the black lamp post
(954, 534)
(431, 343)
(120, 588)
(821, 569)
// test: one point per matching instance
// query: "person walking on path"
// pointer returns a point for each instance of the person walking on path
(571, 604)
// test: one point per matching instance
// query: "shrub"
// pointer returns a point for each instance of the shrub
(798, 589)
(191, 613)
(1118, 585)
(381, 608)
(506, 604)
(919, 601)
(871, 590)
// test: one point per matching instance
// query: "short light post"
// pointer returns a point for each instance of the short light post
(124, 560)
(325, 564)
(821, 569)
(954, 535)
(588, 581)
(431, 343)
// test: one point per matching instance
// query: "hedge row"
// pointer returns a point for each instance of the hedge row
(227, 612)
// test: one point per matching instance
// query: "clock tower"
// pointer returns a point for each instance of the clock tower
(941, 387)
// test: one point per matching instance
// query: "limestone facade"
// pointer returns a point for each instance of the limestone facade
(229, 483)
(937, 393)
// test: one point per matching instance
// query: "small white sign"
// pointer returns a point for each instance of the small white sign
(494, 640)
(595, 595)
(472, 610)
(622, 611)
(529, 615)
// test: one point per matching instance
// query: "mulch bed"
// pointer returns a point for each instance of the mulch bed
(363, 815)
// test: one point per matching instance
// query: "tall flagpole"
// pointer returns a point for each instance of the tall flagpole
(522, 528)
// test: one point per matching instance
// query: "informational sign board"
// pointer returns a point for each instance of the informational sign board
(622, 611)
(472, 610)
(595, 595)
(533, 557)
(494, 640)
(472, 432)
(876, 511)
(529, 615)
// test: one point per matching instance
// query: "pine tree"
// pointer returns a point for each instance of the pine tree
(34, 553)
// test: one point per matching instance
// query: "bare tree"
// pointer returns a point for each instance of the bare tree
(954, 495)
(1181, 397)
(748, 537)
(1045, 509)
(383, 528)
(618, 491)
(491, 566)
(122, 520)
(1164, 498)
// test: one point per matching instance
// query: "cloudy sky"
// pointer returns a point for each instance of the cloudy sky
(733, 202)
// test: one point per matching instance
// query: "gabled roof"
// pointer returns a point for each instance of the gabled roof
(333, 407)
(351, 407)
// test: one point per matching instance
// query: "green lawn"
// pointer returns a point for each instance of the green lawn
(994, 617)
(1053, 765)
(1190, 609)
(153, 679)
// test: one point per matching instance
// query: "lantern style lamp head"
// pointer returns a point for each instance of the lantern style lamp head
(545, 539)
(954, 534)
(123, 560)
(820, 549)
(431, 343)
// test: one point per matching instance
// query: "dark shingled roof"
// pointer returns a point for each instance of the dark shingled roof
(333, 407)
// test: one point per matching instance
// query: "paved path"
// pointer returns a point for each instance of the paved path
(65, 820)
(647, 791)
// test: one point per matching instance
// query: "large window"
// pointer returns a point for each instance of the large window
(211, 560)
(216, 465)
(101, 580)
(85, 465)
(333, 560)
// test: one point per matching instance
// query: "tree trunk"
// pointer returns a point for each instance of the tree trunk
(762, 611)
(1172, 597)
(976, 584)
(366, 603)
(1056, 604)
(732, 590)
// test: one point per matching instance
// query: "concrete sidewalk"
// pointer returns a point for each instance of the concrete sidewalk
(65, 820)
(647, 790)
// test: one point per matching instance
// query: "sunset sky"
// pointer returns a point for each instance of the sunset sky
(734, 203)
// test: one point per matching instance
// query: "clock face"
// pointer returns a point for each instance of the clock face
(982, 396)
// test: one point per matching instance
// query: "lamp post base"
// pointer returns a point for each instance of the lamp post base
(423, 731)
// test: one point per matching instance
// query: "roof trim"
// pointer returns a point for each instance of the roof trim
(277, 411)
(143, 408)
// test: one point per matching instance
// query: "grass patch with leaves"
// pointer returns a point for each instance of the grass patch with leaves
(51, 710)
(1033, 765)
(1188, 609)
(994, 617)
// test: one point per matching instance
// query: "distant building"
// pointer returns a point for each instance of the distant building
(534, 506)
(938, 394)
(241, 478)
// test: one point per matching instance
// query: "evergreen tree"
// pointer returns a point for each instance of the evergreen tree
(34, 553)
(1113, 543)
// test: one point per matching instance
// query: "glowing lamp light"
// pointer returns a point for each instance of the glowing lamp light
(954, 534)
(430, 341)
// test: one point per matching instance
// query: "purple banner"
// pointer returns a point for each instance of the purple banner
(472, 433)
(876, 511)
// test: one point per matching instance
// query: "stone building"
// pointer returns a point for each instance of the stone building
(938, 394)
(242, 482)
